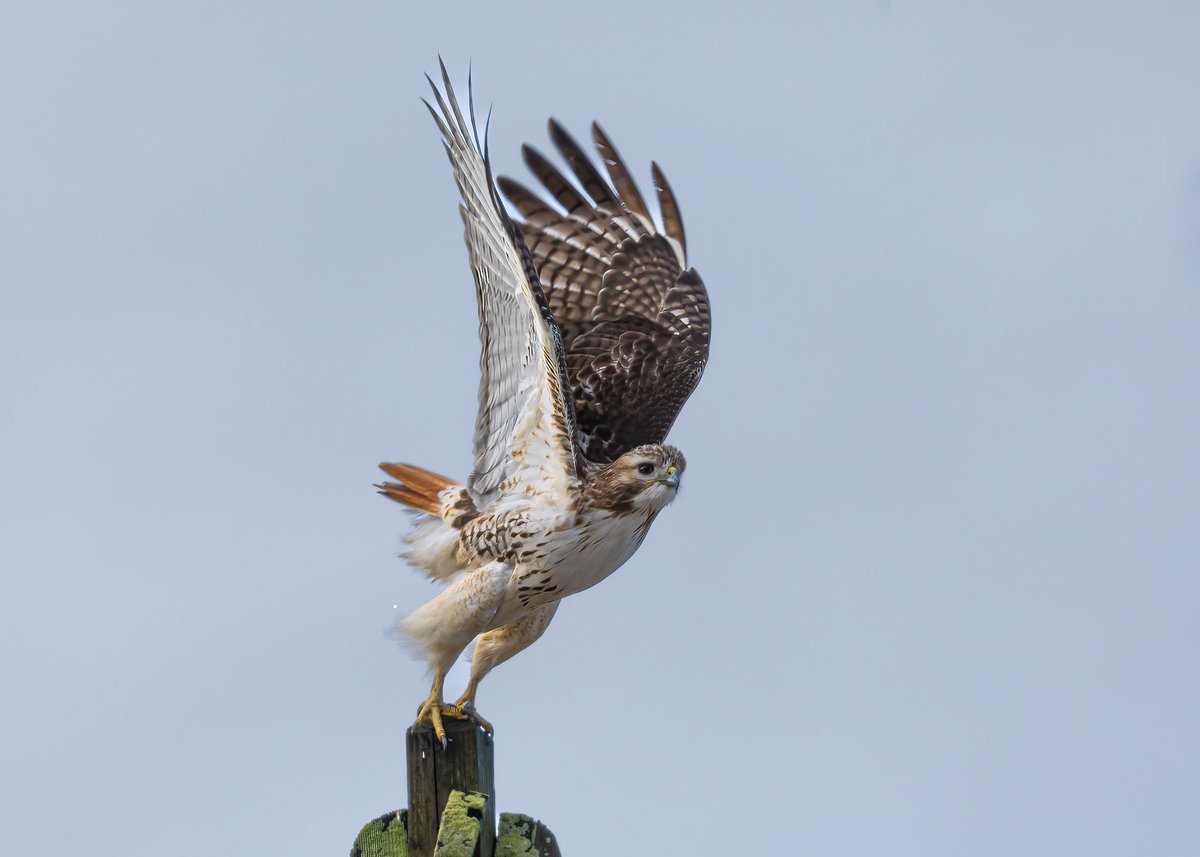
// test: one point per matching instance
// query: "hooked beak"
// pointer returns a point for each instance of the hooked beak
(672, 477)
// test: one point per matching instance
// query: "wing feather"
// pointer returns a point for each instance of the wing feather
(672, 222)
(626, 187)
(576, 206)
(524, 431)
(605, 200)
(635, 320)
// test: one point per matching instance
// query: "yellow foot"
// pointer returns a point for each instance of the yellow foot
(434, 710)
(465, 710)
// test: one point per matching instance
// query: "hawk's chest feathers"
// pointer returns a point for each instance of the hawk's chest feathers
(573, 556)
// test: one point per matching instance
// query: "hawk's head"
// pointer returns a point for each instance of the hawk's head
(645, 478)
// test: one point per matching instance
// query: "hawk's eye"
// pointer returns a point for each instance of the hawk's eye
(645, 468)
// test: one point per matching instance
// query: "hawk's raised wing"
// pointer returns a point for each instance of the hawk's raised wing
(635, 320)
(524, 432)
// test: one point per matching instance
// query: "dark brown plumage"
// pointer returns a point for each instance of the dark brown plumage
(635, 324)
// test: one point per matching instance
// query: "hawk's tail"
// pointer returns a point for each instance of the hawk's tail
(415, 487)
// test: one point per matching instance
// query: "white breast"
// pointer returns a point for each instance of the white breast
(581, 557)
(571, 558)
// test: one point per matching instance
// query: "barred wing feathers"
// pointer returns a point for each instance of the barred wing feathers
(635, 320)
(524, 431)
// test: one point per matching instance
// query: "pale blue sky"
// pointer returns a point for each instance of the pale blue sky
(931, 586)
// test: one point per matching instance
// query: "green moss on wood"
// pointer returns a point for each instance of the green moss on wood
(458, 835)
(514, 838)
(522, 836)
(386, 836)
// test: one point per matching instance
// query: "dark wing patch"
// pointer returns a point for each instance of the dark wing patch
(635, 324)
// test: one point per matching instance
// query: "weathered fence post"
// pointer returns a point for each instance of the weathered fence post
(452, 805)
(466, 764)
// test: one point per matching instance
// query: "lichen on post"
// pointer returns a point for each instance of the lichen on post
(386, 836)
(461, 829)
(522, 836)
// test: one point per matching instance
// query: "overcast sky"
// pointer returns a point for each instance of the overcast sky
(931, 587)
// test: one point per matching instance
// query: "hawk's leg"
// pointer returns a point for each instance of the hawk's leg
(434, 709)
(496, 647)
(445, 626)
(431, 708)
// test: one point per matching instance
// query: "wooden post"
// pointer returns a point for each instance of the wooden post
(466, 764)
(465, 821)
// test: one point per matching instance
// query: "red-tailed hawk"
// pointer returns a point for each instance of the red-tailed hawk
(594, 333)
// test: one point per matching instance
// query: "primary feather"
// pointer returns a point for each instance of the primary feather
(635, 320)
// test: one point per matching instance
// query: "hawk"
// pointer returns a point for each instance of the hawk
(594, 333)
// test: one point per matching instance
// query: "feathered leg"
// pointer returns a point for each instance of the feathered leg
(445, 626)
(496, 647)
